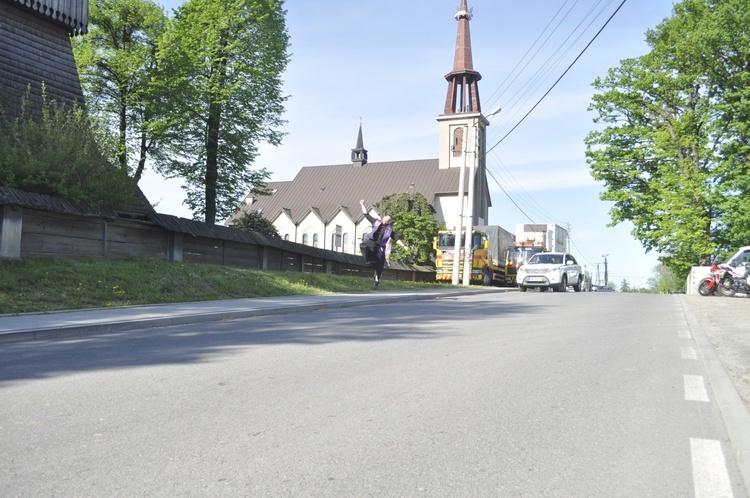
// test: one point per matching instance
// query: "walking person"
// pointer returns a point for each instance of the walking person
(381, 234)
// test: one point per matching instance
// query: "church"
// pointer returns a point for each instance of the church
(320, 207)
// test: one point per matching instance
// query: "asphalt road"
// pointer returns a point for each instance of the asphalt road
(507, 394)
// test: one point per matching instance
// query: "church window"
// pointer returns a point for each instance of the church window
(304, 239)
(458, 141)
(315, 240)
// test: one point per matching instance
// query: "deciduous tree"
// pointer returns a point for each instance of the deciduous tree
(116, 63)
(673, 149)
(221, 65)
(255, 222)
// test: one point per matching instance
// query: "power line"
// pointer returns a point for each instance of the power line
(561, 76)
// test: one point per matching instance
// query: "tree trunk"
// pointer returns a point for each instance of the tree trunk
(212, 160)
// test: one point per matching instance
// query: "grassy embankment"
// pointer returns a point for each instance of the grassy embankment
(56, 284)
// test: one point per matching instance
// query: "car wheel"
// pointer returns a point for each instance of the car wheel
(522, 288)
(577, 287)
(563, 284)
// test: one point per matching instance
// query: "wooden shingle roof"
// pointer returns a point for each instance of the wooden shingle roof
(326, 189)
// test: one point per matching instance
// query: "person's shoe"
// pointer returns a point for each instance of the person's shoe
(376, 285)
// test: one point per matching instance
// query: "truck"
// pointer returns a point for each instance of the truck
(533, 238)
(491, 255)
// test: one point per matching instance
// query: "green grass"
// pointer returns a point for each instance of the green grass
(58, 284)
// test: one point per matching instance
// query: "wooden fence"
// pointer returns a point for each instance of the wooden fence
(34, 225)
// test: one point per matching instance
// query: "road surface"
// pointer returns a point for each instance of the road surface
(501, 394)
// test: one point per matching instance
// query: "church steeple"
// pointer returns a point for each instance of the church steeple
(463, 91)
(359, 153)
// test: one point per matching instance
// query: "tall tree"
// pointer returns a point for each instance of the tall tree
(673, 150)
(116, 62)
(221, 67)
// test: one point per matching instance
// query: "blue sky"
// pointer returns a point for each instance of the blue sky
(384, 62)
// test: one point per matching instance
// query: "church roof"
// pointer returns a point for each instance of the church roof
(329, 188)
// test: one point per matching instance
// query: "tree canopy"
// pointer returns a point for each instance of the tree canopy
(196, 94)
(220, 65)
(253, 221)
(116, 63)
(672, 152)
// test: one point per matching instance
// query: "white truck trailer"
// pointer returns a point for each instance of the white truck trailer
(532, 238)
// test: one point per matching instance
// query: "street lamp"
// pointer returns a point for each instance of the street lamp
(470, 217)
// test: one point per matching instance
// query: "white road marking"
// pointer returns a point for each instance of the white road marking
(688, 353)
(710, 477)
(684, 334)
(695, 389)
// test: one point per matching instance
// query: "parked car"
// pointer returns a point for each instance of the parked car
(550, 270)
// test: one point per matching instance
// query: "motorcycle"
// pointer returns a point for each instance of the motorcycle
(734, 281)
(711, 283)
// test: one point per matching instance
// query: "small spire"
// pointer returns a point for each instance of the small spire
(359, 153)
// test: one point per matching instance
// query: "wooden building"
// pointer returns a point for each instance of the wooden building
(35, 51)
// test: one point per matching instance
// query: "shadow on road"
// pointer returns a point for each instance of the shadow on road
(203, 342)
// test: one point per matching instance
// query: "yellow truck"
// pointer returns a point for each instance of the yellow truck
(491, 256)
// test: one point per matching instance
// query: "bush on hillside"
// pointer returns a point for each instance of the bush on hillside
(56, 151)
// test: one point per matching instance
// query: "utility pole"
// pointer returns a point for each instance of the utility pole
(479, 161)
(469, 240)
(457, 244)
(606, 277)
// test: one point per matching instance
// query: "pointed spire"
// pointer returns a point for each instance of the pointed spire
(463, 91)
(359, 153)
(462, 60)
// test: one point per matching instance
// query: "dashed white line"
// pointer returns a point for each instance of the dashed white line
(695, 388)
(710, 477)
(688, 353)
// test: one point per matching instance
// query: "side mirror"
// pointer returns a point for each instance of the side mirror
(569, 262)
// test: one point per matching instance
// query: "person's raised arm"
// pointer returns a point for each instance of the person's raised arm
(362, 205)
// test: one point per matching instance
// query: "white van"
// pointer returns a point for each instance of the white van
(741, 257)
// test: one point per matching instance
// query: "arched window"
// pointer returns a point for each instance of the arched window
(315, 240)
(458, 141)
(286, 236)
(304, 238)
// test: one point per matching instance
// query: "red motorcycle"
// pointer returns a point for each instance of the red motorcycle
(711, 283)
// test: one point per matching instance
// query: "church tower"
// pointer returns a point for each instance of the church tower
(462, 126)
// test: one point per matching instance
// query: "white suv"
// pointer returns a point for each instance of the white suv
(555, 270)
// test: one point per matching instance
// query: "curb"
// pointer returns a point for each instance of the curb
(733, 412)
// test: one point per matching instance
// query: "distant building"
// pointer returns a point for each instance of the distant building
(35, 50)
(320, 207)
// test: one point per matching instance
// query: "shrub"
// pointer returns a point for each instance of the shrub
(56, 151)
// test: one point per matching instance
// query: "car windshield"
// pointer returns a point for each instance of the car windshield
(546, 259)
